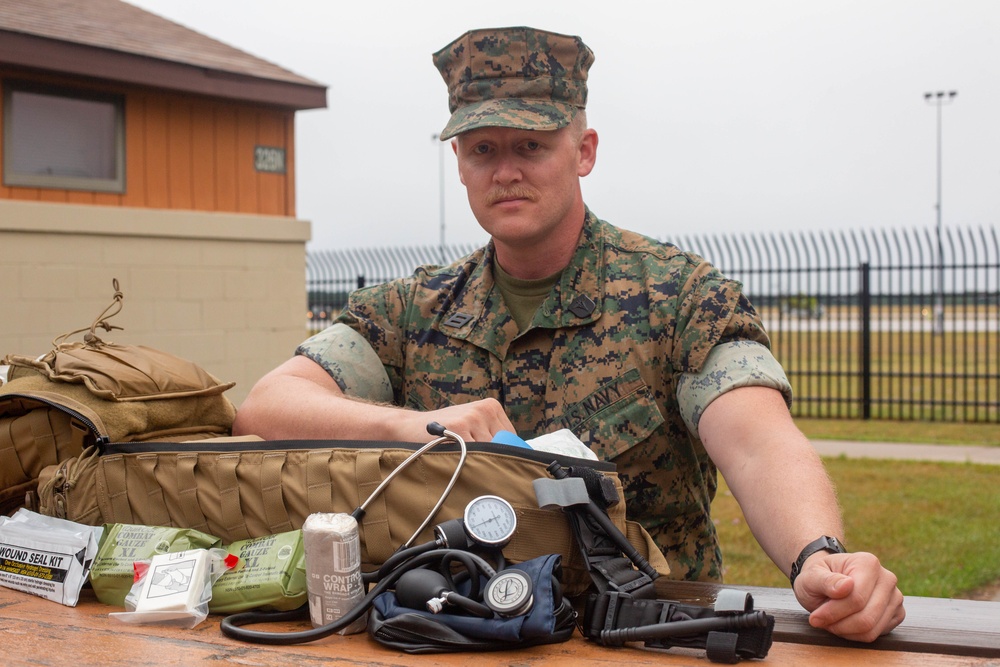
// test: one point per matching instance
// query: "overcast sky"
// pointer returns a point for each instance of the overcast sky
(713, 116)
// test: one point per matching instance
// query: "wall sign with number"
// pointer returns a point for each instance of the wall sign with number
(269, 159)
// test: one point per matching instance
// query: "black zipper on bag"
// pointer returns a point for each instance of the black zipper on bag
(232, 446)
(100, 438)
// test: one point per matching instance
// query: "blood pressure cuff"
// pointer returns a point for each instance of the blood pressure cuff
(729, 632)
(549, 621)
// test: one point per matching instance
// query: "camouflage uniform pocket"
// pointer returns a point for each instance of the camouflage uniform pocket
(616, 417)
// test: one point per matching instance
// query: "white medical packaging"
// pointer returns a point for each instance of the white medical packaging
(46, 557)
(175, 581)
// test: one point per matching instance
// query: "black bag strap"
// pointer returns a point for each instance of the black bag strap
(612, 561)
(726, 634)
(623, 608)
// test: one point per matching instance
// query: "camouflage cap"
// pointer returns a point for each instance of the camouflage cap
(513, 77)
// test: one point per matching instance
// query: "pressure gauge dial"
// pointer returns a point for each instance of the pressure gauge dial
(509, 593)
(490, 521)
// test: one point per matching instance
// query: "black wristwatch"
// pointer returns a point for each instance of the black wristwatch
(825, 543)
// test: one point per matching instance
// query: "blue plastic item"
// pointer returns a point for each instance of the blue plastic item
(508, 438)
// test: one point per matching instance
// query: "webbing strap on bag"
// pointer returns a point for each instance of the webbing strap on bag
(375, 524)
(37, 429)
(152, 493)
(116, 494)
(187, 492)
(228, 485)
(271, 494)
(584, 500)
(622, 609)
(318, 483)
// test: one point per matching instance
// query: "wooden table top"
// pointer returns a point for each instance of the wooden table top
(39, 632)
(932, 625)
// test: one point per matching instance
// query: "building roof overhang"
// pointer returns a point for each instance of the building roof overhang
(56, 56)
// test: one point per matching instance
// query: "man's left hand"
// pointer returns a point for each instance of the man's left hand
(851, 595)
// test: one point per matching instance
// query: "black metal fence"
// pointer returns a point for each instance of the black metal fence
(895, 324)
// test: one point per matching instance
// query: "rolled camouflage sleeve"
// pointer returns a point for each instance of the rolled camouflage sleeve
(740, 363)
(350, 361)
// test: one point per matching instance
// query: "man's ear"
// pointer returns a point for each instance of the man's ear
(587, 152)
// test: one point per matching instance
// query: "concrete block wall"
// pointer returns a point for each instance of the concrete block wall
(224, 290)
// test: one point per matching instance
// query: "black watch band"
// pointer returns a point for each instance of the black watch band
(825, 543)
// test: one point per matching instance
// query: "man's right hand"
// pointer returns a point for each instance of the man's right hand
(477, 421)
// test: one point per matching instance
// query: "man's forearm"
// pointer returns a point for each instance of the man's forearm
(299, 400)
(787, 506)
(772, 471)
(286, 406)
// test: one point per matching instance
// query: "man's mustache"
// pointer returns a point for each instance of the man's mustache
(513, 192)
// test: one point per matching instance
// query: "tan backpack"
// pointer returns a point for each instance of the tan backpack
(237, 489)
(83, 393)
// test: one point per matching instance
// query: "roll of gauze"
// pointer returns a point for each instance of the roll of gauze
(333, 569)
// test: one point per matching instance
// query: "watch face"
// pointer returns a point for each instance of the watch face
(509, 593)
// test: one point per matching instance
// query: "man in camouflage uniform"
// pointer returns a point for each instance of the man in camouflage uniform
(649, 355)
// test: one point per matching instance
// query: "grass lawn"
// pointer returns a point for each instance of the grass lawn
(933, 524)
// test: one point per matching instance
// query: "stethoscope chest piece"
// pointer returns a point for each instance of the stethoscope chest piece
(509, 593)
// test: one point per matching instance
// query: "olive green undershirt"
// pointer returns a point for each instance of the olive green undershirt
(523, 297)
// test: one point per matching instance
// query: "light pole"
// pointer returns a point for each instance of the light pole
(939, 99)
(441, 144)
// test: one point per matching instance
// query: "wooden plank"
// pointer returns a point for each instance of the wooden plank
(39, 632)
(157, 154)
(290, 165)
(53, 195)
(79, 197)
(203, 153)
(226, 188)
(932, 625)
(180, 180)
(107, 199)
(246, 177)
(27, 194)
(135, 151)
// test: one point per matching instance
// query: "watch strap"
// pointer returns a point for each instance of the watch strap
(825, 543)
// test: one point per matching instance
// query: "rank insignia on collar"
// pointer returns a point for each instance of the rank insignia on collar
(458, 320)
(582, 306)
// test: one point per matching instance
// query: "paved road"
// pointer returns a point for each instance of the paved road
(909, 451)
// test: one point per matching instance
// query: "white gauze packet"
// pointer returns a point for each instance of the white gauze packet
(175, 588)
(563, 441)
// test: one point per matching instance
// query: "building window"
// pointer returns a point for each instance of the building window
(60, 138)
